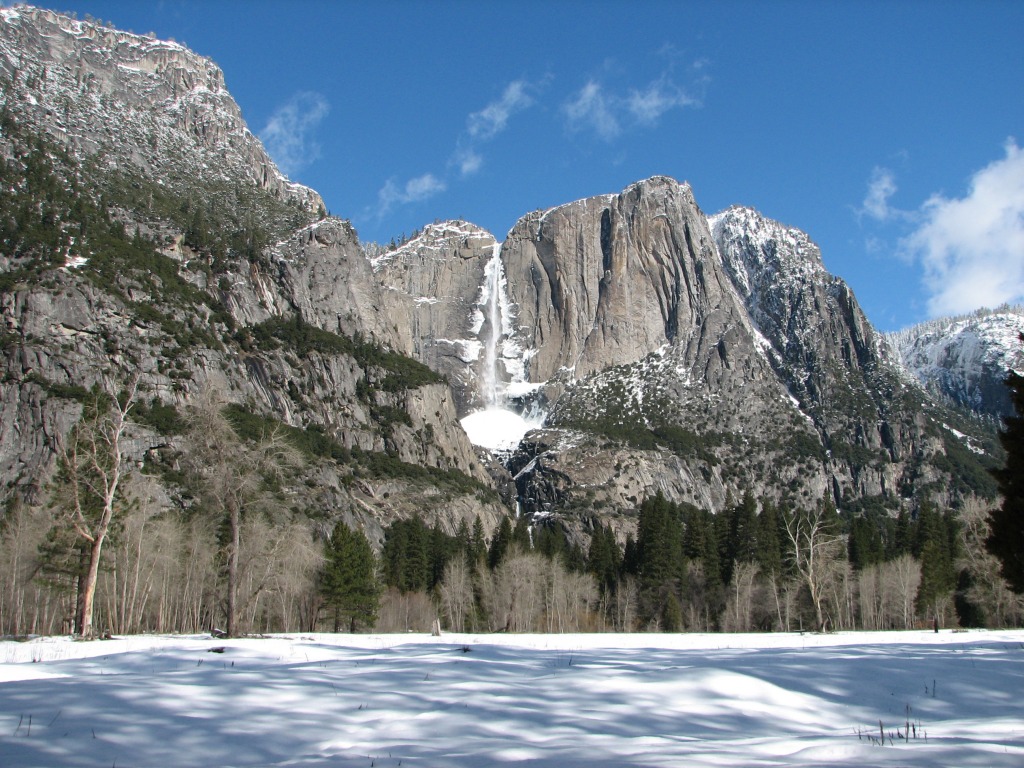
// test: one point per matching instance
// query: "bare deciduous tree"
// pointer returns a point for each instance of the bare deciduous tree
(233, 478)
(129, 582)
(988, 589)
(627, 598)
(813, 551)
(24, 603)
(457, 593)
(739, 612)
(405, 612)
(93, 466)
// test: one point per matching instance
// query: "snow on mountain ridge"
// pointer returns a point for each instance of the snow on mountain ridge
(147, 105)
(768, 246)
(966, 357)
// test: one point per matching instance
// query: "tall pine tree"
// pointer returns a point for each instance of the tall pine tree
(349, 581)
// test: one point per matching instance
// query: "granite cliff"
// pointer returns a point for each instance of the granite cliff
(667, 351)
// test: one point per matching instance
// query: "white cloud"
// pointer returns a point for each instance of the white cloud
(287, 135)
(484, 125)
(414, 190)
(493, 119)
(592, 109)
(609, 114)
(468, 160)
(881, 187)
(972, 248)
(648, 105)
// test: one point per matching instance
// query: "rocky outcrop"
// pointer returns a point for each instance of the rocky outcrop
(144, 103)
(437, 285)
(700, 359)
(608, 280)
(966, 359)
(129, 109)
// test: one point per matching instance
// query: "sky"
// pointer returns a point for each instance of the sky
(891, 132)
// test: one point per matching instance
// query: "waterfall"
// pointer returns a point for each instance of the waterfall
(497, 426)
(491, 391)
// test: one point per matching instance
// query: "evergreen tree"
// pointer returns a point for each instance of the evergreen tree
(604, 558)
(349, 582)
(441, 549)
(741, 537)
(768, 553)
(659, 541)
(406, 555)
(865, 545)
(700, 542)
(630, 557)
(500, 543)
(477, 552)
(660, 556)
(1006, 541)
(521, 534)
(901, 537)
(934, 546)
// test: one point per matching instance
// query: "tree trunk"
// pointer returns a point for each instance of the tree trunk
(232, 608)
(87, 591)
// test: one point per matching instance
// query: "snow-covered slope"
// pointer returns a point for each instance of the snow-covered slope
(966, 358)
(571, 701)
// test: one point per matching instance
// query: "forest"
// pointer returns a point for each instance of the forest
(231, 552)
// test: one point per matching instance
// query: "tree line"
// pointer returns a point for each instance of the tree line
(111, 551)
(748, 568)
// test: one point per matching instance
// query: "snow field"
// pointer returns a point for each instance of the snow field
(539, 700)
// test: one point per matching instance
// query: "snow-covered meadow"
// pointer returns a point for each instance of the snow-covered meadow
(537, 700)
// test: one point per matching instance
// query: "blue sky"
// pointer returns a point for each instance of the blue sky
(889, 131)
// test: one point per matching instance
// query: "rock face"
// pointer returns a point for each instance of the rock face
(438, 280)
(136, 101)
(718, 356)
(608, 280)
(966, 359)
(150, 126)
(700, 358)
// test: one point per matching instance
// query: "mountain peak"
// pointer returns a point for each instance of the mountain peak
(151, 107)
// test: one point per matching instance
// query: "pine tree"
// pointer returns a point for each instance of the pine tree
(407, 555)
(741, 537)
(865, 545)
(934, 540)
(1006, 541)
(604, 558)
(500, 543)
(521, 534)
(769, 551)
(349, 581)
(477, 552)
(660, 554)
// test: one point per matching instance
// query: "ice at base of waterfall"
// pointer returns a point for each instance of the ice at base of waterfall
(497, 429)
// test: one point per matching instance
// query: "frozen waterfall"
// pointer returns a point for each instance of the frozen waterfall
(498, 426)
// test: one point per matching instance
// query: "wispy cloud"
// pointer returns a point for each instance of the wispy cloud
(881, 187)
(289, 133)
(649, 104)
(484, 125)
(591, 109)
(469, 161)
(493, 119)
(481, 126)
(414, 190)
(608, 114)
(972, 247)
